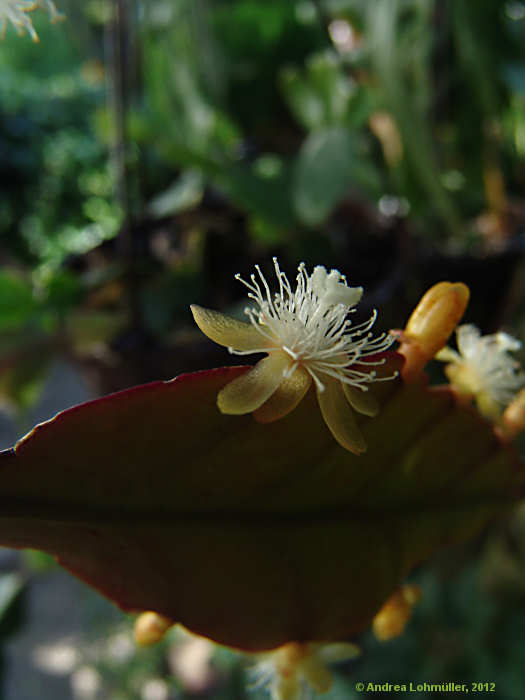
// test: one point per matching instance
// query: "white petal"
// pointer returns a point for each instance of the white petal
(318, 279)
(507, 342)
(467, 337)
(446, 354)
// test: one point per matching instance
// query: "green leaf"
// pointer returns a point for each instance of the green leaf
(17, 304)
(328, 164)
(250, 534)
(267, 197)
(306, 105)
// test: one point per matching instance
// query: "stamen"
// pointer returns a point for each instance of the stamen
(311, 324)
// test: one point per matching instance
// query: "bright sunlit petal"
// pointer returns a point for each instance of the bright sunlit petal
(249, 391)
(228, 331)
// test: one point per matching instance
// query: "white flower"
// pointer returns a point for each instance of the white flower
(15, 11)
(309, 338)
(483, 367)
(310, 325)
(288, 671)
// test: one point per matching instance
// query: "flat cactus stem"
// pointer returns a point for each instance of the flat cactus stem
(251, 534)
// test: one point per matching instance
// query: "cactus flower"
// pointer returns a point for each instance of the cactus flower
(16, 12)
(483, 368)
(289, 670)
(308, 338)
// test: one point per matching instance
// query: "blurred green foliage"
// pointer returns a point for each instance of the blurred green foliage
(339, 130)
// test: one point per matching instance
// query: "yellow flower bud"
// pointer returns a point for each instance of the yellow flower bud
(430, 325)
(150, 628)
(393, 617)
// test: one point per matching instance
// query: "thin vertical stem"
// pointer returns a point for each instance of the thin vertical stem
(119, 91)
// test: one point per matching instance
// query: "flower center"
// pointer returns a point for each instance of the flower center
(310, 324)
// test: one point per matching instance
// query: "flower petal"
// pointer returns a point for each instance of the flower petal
(338, 651)
(316, 674)
(446, 354)
(286, 397)
(362, 401)
(228, 331)
(468, 337)
(339, 417)
(286, 688)
(249, 391)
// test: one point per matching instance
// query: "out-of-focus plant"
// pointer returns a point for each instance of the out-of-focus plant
(254, 126)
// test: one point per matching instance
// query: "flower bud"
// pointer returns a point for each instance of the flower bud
(392, 619)
(430, 325)
(150, 628)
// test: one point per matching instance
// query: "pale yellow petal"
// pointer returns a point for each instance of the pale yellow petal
(316, 674)
(362, 401)
(285, 398)
(228, 331)
(249, 391)
(338, 651)
(339, 416)
(446, 354)
(286, 688)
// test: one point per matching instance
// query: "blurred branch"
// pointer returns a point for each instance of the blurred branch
(324, 19)
(119, 60)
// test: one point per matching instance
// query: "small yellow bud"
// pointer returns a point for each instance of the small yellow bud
(393, 617)
(431, 324)
(150, 628)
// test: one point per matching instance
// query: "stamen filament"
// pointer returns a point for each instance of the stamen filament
(311, 324)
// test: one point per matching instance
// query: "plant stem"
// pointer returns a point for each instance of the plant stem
(119, 63)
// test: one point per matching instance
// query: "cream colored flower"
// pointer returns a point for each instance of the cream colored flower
(308, 337)
(288, 671)
(482, 367)
(16, 12)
